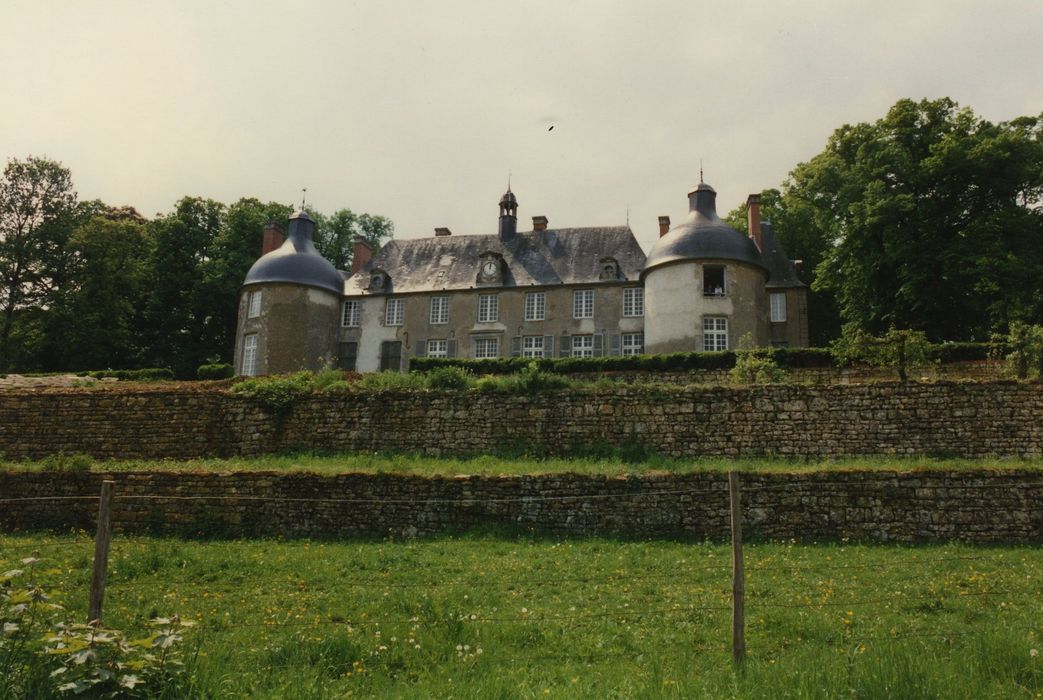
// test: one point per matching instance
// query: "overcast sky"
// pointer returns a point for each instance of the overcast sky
(418, 110)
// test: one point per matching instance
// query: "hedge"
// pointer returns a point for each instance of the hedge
(787, 358)
(147, 374)
(216, 371)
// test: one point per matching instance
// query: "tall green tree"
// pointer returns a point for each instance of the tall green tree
(178, 308)
(335, 234)
(37, 214)
(99, 318)
(933, 220)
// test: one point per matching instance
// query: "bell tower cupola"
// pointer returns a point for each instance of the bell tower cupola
(508, 215)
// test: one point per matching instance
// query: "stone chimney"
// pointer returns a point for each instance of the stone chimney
(443, 232)
(272, 238)
(539, 223)
(664, 225)
(361, 254)
(753, 219)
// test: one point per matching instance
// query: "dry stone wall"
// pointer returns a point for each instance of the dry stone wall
(943, 418)
(976, 506)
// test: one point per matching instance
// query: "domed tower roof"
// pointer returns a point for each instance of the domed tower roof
(703, 236)
(296, 261)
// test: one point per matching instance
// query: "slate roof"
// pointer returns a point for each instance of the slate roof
(533, 258)
(781, 270)
(703, 235)
(297, 261)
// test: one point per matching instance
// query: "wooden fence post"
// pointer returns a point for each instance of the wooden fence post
(101, 554)
(738, 574)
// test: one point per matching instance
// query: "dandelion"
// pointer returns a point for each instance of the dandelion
(1033, 653)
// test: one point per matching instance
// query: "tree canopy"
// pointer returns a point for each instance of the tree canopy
(84, 285)
(929, 218)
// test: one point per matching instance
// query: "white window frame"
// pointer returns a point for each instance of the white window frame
(488, 308)
(486, 348)
(253, 306)
(533, 346)
(248, 361)
(778, 306)
(351, 313)
(633, 344)
(583, 303)
(439, 310)
(395, 312)
(633, 302)
(535, 306)
(438, 348)
(583, 345)
(715, 333)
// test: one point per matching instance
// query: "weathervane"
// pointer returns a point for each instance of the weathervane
(700, 171)
(304, 195)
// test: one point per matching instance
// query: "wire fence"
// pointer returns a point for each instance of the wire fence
(728, 591)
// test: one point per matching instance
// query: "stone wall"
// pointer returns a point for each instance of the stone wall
(971, 506)
(943, 418)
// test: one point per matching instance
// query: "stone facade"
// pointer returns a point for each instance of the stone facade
(944, 418)
(970, 506)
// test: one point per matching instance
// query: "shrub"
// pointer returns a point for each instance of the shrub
(755, 366)
(382, 381)
(61, 462)
(900, 349)
(449, 378)
(276, 394)
(1025, 350)
(221, 370)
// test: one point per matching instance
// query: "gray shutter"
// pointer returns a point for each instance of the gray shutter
(450, 348)
(516, 346)
(421, 348)
(599, 344)
(614, 344)
(548, 346)
(566, 346)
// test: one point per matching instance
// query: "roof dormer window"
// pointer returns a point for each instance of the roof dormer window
(609, 269)
(379, 281)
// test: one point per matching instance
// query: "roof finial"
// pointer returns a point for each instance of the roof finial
(304, 195)
(700, 171)
(508, 180)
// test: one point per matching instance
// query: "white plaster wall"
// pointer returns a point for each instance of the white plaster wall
(675, 305)
(375, 333)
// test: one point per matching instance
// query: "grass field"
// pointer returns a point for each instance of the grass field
(494, 615)
(612, 463)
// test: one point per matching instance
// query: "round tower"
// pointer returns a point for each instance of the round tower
(704, 284)
(289, 306)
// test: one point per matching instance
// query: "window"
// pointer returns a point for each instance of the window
(488, 308)
(583, 303)
(352, 316)
(634, 301)
(778, 306)
(486, 348)
(535, 306)
(249, 359)
(633, 343)
(439, 310)
(254, 306)
(713, 281)
(532, 346)
(583, 346)
(395, 312)
(715, 333)
(438, 348)
(347, 356)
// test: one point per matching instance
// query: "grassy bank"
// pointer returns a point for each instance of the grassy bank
(610, 461)
(493, 616)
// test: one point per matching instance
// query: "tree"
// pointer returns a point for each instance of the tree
(99, 318)
(37, 214)
(933, 220)
(335, 234)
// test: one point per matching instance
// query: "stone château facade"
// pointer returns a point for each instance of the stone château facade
(576, 292)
